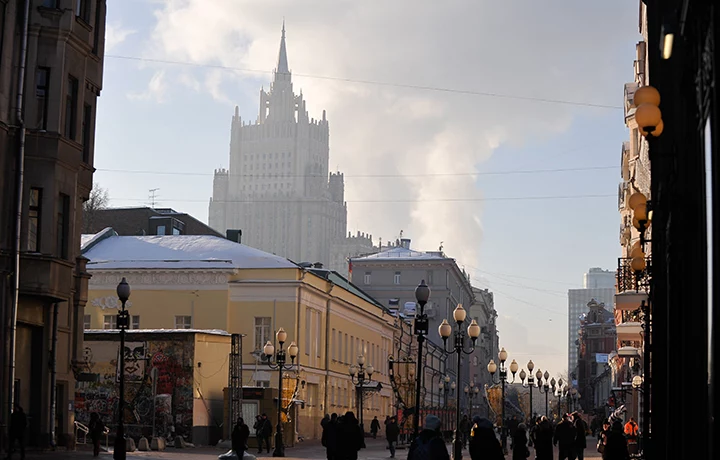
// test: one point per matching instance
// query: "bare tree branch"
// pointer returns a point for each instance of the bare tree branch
(99, 199)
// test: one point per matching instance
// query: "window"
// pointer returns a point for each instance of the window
(340, 348)
(429, 276)
(42, 89)
(63, 224)
(333, 345)
(263, 383)
(86, 131)
(96, 25)
(183, 322)
(262, 331)
(87, 321)
(397, 278)
(50, 3)
(34, 219)
(367, 277)
(110, 322)
(135, 322)
(308, 325)
(82, 10)
(175, 231)
(318, 333)
(71, 101)
(161, 231)
(347, 350)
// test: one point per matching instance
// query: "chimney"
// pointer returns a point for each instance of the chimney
(234, 235)
(317, 265)
(405, 243)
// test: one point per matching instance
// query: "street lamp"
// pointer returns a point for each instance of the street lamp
(492, 368)
(123, 322)
(446, 387)
(359, 375)
(530, 382)
(471, 392)
(473, 331)
(422, 294)
(277, 360)
(560, 394)
(546, 388)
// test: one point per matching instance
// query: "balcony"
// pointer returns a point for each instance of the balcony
(46, 276)
(629, 331)
(630, 280)
(630, 300)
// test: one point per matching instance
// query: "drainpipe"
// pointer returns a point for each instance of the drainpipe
(53, 374)
(327, 347)
(19, 177)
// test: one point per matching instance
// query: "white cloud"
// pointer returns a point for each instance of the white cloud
(156, 89)
(115, 34)
(475, 46)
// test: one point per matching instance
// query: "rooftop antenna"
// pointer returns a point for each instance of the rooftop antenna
(153, 196)
(441, 246)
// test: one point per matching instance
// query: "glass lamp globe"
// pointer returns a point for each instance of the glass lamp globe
(492, 367)
(474, 330)
(370, 370)
(648, 116)
(530, 366)
(352, 370)
(646, 95)
(459, 314)
(293, 350)
(361, 360)
(523, 375)
(281, 336)
(269, 349)
(514, 367)
(502, 355)
(445, 329)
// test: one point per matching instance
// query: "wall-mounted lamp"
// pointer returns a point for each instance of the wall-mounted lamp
(667, 40)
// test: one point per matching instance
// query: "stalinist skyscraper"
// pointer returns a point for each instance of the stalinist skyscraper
(278, 189)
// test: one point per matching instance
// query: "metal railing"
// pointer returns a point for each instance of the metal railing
(630, 280)
(82, 428)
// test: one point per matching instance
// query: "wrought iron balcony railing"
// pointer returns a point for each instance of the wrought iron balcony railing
(631, 280)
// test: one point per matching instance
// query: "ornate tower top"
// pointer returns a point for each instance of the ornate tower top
(282, 65)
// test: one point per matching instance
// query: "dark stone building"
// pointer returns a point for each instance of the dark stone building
(597, 339)
(146, 221)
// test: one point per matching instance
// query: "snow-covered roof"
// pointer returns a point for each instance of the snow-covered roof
(175, 252)
(401, 253)
(160, 331)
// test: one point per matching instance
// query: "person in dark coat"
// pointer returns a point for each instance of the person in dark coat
(520, 443)
(330, 437)
(429, 445)
(324, 421)
(374, 427)
(350, 438)
(544, 440)
(16, 431)
(484, 444)
(565, 434)
(464, 429)
(239, 438)
(580, 437)
(96, 429)
(392, 432)
(263, 430)
(616, 447)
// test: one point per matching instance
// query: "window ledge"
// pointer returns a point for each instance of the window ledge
(49, 12)
(83, 23)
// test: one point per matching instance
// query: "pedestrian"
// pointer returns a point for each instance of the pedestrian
(580, 436)
(96, 428)
(565, 435)
(602, 436)
(239, 438)
(330, 437)
(429, 445)
(392, 432)
(263, 431)
(257, 426)
(324, 421)
(520, 443)
(350, 438)
(484, 444)
(464, 429)
(616, 447)
(544, 440)
(16, 431)
(374, 427)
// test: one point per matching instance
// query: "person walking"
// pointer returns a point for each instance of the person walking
(464, 429)
(96, 428)
(329, 437)
(580, 436)
(429, 445)
(324, 421)
(392, 432)
(484, 444)
(239, 438)
(257, 426)
(16, 431)
(616, 447)
(565, 434)
(520, 443)
(544, 440)
(350, 438)
(374, 427)
(264, 432)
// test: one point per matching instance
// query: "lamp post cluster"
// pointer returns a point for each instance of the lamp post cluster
(123, 323)
(446, 388)
(530, 383)
(473, 331)
(277, 361)
(360, 375)
(471, 391)
(422, 294)
(492, 368)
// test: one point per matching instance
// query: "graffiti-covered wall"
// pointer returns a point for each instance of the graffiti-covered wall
(169, 396)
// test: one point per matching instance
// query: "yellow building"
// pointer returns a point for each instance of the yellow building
(207, 282)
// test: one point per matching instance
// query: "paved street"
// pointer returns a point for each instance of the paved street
(310, 450)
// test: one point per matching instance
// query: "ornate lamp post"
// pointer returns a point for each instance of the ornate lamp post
(446, 387)
(530, 383)
(546, 388)
(473, 331)
(471, 392)
(422, 294)
(123, 322)
(492, 368)
(560, 395)
(360, 375)
(276, 361)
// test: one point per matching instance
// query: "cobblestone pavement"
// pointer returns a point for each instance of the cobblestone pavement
(376, 450)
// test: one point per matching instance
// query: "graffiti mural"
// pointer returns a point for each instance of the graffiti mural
(170, 407)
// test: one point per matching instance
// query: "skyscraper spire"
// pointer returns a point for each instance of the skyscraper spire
(282, 66)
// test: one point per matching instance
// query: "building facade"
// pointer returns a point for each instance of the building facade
(206, 282)
(278, 189)
(597, 340)
(488, 346)
(51, 70)
(145, 221)
(599, 286)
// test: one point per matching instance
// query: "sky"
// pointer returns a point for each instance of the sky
(497, 126)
